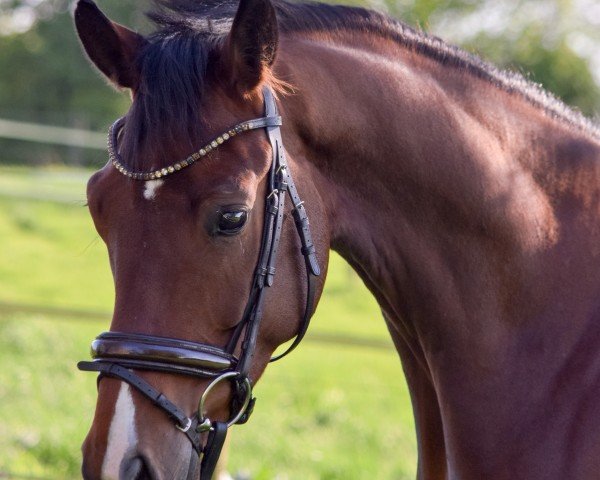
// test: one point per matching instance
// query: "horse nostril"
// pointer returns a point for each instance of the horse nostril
(135, 469)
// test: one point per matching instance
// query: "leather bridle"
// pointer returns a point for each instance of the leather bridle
(117, 354)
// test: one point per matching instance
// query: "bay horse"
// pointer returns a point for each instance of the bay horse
(467, 199)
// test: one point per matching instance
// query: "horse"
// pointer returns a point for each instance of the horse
(466, 198)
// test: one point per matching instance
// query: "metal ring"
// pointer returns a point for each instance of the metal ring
(225, 376)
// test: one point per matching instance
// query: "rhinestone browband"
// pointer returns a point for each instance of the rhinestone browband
(116, 160)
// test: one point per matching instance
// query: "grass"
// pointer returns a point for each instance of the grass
(325, 412)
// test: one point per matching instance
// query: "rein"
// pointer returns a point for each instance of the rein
(116, 354)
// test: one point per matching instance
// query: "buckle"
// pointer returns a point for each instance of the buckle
(187, 426)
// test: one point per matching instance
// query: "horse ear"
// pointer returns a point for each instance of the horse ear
(252, 44)
(110, 46)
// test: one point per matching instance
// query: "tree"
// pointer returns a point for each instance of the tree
(46, 78)
(553, 42)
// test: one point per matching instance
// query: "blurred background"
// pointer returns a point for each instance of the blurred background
(338, 407)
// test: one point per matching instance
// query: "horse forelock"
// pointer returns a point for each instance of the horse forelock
(173, 78)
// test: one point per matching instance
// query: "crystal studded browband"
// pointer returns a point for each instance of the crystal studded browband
(117, 161)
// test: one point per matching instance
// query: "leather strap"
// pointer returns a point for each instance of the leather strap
(186, 424)
(146, 352)
(212, 451)
(280, 183)
(251, 335)
(286, 184)
(305, 322)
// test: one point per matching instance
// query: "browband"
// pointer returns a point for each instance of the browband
(117, 161)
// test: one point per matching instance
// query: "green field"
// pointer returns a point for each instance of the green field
(325, 412)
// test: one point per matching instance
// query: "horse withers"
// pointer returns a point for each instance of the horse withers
(466, 198)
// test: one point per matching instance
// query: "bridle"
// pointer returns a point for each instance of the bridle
(117, 354)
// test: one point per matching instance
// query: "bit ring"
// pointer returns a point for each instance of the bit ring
(226, 376)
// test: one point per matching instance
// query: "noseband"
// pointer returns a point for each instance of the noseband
(117, 354)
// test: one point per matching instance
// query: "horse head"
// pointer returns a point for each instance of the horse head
(192, 209)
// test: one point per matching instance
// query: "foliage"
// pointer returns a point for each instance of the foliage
(555, 42)
(46, 78)
(559, 69)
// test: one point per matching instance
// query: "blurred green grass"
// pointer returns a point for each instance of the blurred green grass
(326, 412)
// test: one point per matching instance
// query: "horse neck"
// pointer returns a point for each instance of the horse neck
(472, 216)
(447, 194)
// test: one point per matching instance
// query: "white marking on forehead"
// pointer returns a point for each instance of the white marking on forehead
(121, 435)
(150, 188)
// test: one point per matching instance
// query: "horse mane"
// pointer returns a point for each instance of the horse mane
(174, 63)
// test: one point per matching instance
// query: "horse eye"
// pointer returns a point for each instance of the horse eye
(231, 223)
